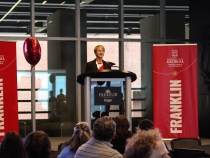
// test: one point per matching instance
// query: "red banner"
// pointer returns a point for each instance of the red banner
(8, 88)
(175, 91)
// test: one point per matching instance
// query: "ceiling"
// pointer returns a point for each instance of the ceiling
(101, 15)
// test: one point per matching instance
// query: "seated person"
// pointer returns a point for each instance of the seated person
(12, 146)
(146, 144)
(37, 145)
(80, 136)
(145, 125)
(122, 133)
(100, 147)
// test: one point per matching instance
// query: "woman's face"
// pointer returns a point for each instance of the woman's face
(99, 53)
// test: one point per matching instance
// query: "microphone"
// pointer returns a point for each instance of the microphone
(111, 63)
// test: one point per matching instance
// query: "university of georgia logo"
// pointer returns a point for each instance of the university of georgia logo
(174, 53)
(175, 61)
(2, 59)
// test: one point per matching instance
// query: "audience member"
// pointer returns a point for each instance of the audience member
(146, 144)
(145, 124)
(12, 146)
(104, 114)
(37, 145)
(100, 147)
(122, 133)
(80, 136)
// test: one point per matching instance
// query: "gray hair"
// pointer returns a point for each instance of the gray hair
(142, 143)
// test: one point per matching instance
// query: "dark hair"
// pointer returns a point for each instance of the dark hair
(12, 146)
(104, 128)
(37, 145)
(145, 124)
(142, 143)
(122, 126)
(81, 135)
(104, 114)
(96, 114)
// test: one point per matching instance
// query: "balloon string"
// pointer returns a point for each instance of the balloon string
(31, 68)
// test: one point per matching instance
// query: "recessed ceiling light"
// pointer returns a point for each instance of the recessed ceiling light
(10, 10)
(86, 1)
(44, 2)
(63, 2)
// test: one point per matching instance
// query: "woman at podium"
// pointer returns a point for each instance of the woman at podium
(98, 63)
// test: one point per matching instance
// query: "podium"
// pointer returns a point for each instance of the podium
(106, 75)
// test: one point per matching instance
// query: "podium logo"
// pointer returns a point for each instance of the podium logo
(107, 93)
(175, 61)
(2, 59)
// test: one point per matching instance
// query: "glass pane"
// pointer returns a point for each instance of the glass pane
(178, 14)
(55, 102)
(14, 18)
(134, 11)
(132, 60)
(55, 18)
(25, 94)
(101, 18)
(61, 84)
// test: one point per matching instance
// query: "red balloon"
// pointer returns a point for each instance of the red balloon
(32, 51)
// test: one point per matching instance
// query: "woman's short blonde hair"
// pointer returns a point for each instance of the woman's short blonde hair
(97, 47)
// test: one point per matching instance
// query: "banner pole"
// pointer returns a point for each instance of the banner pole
(33, 109)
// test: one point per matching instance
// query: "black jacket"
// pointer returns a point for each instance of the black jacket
(91, 66)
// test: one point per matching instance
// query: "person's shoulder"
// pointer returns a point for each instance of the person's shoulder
(115, 154)
(92, 61)
(106, 65)
(65, 152)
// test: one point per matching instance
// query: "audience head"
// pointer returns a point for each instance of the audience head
(37, 145)
(12, 146)
(104, 114)
(104, 128)
(145, 124)
(96, 114)
(122, 126)
(80, 136)
(146, 144)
